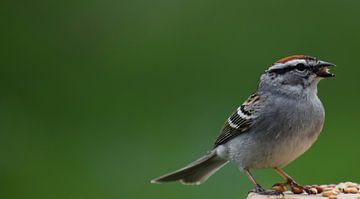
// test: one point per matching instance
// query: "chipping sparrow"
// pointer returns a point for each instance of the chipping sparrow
(273, 127)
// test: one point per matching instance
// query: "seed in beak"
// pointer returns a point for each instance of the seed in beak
(324, 72)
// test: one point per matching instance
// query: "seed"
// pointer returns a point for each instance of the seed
(297, 190)
(278, 188)
(328, 188)
(340, 187)
(350, 190)
(313, 190)
(351, 184)
(332, 197)
(319, 189)
(328, 193)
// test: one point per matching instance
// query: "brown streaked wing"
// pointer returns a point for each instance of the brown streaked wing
(238, 124)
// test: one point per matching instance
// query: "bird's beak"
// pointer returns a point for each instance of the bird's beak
(322, 69)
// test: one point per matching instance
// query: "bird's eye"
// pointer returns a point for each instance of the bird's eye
(300, 67)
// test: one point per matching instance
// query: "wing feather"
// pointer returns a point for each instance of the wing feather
(240, 120)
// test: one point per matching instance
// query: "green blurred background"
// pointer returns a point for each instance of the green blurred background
(98, 97)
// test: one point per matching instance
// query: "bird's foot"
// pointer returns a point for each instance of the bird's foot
(299, 189)
(295, 188)
(271, 193)
(279, 187)
(258, 189)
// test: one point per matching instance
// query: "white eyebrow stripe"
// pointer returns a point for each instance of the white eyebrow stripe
(286, 64)
(295, 61)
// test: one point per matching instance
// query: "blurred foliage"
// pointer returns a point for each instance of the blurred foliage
(99, 97)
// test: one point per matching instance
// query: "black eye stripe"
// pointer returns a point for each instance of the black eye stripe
(300, 66)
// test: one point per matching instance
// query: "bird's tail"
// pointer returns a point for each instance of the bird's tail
(196, 172)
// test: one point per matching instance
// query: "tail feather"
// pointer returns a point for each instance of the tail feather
(196, 172)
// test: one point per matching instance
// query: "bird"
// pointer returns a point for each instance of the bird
(274, 126)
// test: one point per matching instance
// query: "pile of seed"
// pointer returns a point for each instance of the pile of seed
(332, 191)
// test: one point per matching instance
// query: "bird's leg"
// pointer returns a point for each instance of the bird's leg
(295, 187)
(257, 188)
(289, 180)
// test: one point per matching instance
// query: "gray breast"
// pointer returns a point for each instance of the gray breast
(285, 130)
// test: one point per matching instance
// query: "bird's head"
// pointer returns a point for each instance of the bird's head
(298, 73)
